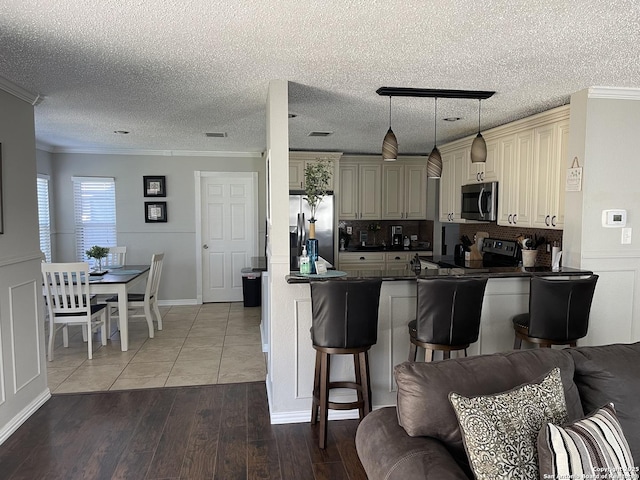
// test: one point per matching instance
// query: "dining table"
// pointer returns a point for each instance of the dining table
(119, 281)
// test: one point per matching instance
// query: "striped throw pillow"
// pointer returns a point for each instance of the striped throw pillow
(593, 447)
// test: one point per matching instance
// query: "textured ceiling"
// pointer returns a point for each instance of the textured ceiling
(169, 71)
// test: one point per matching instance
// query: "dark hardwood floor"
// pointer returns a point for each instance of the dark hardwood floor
(213, 431)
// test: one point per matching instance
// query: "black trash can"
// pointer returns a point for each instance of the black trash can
(251, 288)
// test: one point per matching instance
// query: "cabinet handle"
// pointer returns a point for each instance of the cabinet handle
(478, 177)
(546, 220)
(509, 218)
(397, 258)
(515, 217)
(362, 258)
(553, 221)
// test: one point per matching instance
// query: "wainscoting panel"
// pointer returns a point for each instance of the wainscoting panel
(25, 339)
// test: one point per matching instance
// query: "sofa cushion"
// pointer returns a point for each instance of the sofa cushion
(494, 427)
(423, 388)
(610, 373)
(593, 447)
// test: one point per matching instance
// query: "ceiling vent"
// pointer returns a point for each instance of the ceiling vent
(319, 134)
(216, 134)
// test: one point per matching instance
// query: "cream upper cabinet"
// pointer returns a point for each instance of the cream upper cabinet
(296, 174)
(360, 192)
(486, 171)
(515, 185)
(454, 175)
(298, 162)
(550, 150)
(404, 191)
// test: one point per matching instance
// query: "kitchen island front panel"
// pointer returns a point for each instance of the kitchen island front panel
(506, 294)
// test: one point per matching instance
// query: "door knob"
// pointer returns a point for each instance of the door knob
(205, 246)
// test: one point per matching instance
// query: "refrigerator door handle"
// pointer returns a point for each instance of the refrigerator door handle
(303, 232)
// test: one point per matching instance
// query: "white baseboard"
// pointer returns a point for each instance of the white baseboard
(305, 416)
(7, 430)
(185, 301)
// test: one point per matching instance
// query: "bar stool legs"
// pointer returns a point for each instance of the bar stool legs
(322, 385)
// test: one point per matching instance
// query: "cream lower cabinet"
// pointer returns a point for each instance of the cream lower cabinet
(550, 155)
(357, 261)
(404, 191)
(360, 192)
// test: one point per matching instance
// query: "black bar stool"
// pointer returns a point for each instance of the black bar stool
(344, 322)
(447, 315)
(558, 312)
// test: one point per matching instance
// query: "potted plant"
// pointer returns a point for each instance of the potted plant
(316, 178)
(98, 253)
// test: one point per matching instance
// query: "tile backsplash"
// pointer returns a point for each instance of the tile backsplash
(512, 233)
(422, 228)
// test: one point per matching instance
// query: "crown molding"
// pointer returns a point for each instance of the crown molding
(614, 93)
(19, 92)
(154, 153)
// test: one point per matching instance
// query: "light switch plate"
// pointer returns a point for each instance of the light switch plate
(349, 230)
(626, 236)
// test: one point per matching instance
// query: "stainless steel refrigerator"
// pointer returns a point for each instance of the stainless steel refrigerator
(299, 215)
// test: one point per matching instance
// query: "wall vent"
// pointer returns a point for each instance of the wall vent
(216, 134)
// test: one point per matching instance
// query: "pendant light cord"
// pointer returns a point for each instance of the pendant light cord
(435, 122)
(389, 112)
(479, 107)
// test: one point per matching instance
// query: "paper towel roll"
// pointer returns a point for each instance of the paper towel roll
(556, 255)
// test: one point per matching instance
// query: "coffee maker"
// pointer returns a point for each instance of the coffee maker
(396, 236)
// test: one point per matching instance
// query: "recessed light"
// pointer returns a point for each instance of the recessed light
(121, 132)
(216, 134)
(452, 119)
(319, 134)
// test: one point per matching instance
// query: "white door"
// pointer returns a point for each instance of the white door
(228, 233)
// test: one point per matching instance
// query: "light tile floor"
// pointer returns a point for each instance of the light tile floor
(198, 345)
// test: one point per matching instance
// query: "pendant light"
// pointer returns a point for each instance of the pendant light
(390, 143)
(434, 163)
(479, 146)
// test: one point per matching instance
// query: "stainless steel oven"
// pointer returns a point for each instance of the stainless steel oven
(480, 201)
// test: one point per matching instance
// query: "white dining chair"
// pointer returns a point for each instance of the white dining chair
(68, 300)
(148, 300)
(116, 257)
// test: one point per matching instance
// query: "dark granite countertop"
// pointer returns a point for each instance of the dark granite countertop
(493, 272)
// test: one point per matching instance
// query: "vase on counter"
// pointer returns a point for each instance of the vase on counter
(312, 245)
(312, 252)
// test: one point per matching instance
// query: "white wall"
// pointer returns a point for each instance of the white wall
(604, 137)
(23, 379)
(176, 237)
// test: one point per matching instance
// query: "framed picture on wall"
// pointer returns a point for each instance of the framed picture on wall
(155, 186)
(155, 212)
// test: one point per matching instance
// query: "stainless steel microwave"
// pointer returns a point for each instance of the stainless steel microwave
(480, 201)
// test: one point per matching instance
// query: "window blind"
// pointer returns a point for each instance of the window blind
(94, 201)
(44, 219)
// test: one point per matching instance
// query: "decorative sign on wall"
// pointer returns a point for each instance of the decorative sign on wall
(574, 177)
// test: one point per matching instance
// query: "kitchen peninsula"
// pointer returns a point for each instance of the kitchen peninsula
(506, 295)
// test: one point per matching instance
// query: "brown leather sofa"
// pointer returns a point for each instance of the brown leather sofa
(420, 438)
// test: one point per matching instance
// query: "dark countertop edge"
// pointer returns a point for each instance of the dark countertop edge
(406, 275)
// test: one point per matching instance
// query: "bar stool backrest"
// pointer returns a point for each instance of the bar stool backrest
(345, 313)
(559, 309)
(449, 310)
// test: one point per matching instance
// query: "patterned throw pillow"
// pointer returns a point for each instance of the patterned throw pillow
(593, 447)
(500, 431)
